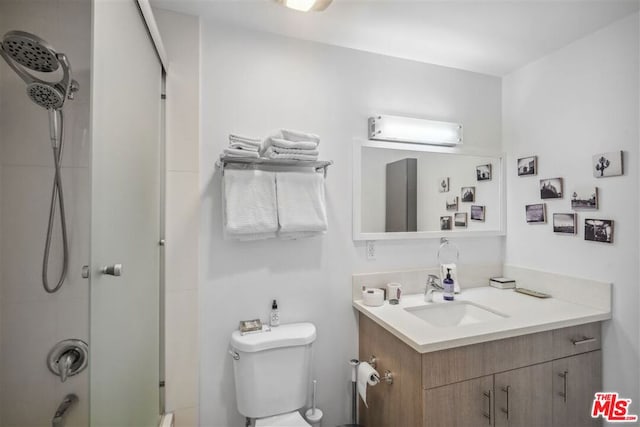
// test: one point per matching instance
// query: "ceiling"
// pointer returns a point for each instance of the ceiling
(486, 36)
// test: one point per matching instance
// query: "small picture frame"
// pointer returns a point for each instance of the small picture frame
(443, 185)
(564, 223)
(551, 188)
(468, 194)
(598, 230)
(452, 205)
(585, 198)
(483, 172)
(460, 219)
(445, 223)
(536, 213)
(607, 164)
(528, 166)
(477, 213)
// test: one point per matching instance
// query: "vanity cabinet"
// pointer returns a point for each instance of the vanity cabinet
(542, 379)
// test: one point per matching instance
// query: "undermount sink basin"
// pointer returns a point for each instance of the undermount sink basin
(456, 313)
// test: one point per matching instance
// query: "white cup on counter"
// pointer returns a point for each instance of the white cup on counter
(394, 292)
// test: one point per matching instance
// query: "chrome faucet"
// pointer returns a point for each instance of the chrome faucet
(433, 284)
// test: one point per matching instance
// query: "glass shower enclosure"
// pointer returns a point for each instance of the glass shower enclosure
(110, 170)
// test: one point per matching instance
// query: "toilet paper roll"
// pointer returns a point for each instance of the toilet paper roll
(373, 297)
(367, 376)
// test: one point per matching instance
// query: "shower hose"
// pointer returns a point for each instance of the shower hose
(56, 196)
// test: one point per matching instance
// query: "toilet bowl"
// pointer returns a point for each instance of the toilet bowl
(291, 419)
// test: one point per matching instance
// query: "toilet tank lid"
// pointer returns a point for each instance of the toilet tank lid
(287, 335)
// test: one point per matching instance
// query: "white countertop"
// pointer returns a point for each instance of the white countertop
(525, 315)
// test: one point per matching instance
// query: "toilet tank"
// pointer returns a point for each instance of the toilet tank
(272, 369)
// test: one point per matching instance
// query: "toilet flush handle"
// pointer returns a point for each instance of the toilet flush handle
(234, 354)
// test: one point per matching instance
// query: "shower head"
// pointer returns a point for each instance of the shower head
(30, 51)
(24, 51)
(45, 95)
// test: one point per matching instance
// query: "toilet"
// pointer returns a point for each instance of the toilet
(272, 374)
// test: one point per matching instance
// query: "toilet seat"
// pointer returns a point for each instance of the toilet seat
(292, 419)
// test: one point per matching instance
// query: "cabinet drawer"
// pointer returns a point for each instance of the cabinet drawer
(576, 340)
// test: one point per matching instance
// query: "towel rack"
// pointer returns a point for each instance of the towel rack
(317, 165)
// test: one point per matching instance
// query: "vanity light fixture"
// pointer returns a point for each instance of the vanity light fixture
(306, 5)
(417, 131)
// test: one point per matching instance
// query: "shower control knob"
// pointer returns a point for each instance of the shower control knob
(112, 270)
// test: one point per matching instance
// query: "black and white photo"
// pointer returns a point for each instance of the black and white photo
(564, 223)
(445, 223)
(528, 166)
(585, 198)
(536, 213)
(607, 164)
(452, 205)
(551, 188)
(443, 184)
(477, 213)
(460, 219)
(483, 172)
(468, 194)
(598, 230)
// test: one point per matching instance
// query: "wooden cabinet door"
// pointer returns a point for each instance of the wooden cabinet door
(575, 381)
(524, 397)
(464, 404)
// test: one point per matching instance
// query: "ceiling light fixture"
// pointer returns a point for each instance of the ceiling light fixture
(306, 5)
(417, 131)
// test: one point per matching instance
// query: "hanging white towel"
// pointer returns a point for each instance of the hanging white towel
(250, 204)
(301, 202)
(297, 136)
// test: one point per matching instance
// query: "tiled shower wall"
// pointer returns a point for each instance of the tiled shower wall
(32, 321)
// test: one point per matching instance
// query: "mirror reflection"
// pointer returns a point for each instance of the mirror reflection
(418, 191)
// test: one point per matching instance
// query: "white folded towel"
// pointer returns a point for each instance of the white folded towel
(301, 202)
(279, 150)
(239, 152)
(297, 136)
(250, 203)
(245, 139)
(244, 146)
(271, 154)
(283, 143)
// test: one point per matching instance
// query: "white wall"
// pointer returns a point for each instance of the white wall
(182, 214)
(566, 107)
(33, 321)
(255, 82)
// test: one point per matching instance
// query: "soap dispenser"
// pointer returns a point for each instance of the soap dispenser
(449, 287)
(274, 319)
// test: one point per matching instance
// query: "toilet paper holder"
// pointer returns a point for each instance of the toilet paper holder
(388, 375)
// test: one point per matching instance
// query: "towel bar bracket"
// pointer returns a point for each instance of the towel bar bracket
(278, 165)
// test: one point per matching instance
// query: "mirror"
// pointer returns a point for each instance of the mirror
(414, 191)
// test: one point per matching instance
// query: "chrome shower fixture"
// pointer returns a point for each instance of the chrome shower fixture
(25, 51)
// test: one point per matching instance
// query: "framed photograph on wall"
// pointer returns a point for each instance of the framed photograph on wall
(551, 188)
(483, 172)
(445, 223)
(443, 185)
(585, 198)
(598, 230)
(452, 205)
(564, 223)
(468, 194)
(607, 164)
(477, 213)
(460, 219)
(536, 214)
(528, 166)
